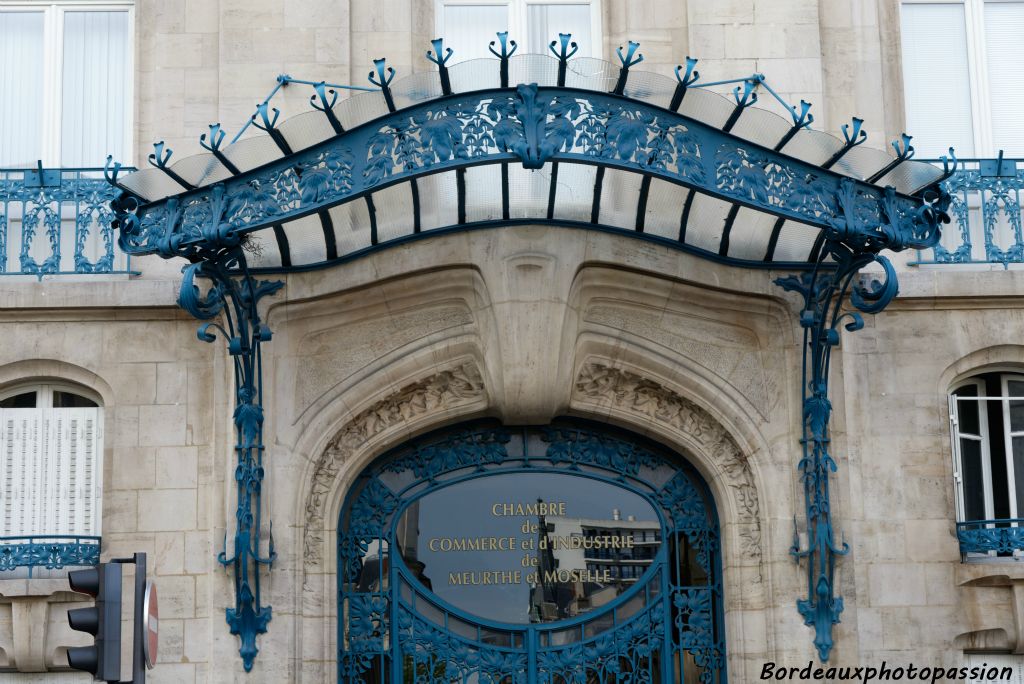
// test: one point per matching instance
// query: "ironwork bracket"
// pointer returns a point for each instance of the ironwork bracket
(824, 291)
(236, 295)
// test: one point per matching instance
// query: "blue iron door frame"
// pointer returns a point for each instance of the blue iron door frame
(393, 628)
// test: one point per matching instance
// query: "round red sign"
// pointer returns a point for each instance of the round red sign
(150, 625)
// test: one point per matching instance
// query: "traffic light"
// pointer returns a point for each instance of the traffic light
(103, 621)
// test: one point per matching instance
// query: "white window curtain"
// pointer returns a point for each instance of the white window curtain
(21, 88)
(65, 85)
(51, 463)
(1004, 52)
(936, 79)
(545, 21)
(468, 26)
(469, 29)
(95, 87)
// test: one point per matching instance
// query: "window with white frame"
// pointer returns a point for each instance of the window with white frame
(468, 26)
(65, 83)
(961, 76)
(51, 461)
(987, 415)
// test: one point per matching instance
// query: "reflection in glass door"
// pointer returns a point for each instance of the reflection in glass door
(556, 555)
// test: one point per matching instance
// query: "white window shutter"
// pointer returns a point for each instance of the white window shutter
(75, 447)
(985, 662)
(23, 441)
(51, 464)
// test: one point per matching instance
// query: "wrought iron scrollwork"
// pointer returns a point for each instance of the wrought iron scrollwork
(236, 295)
(853, 243)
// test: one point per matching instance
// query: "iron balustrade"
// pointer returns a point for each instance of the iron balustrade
(985, 212)
(58, 222)
(50, 551)
(999, 537)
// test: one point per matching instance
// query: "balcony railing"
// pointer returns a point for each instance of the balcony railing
(53, 552)
(991, 537)
(986, 215)
(57, 221)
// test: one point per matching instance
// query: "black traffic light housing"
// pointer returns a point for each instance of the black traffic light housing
(103, 621)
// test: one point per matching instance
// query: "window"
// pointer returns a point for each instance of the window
(51, 446)
(960, 77)
(65, 83)
(987, 414)
(468, 26)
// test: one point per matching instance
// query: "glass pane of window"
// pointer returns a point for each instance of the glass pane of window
(967, 411)
(23, 400)
(69, 400)
(469, 29)
(935, 78)
(545, 22)
(1004, 26)
(94, 106)
(21, 102)
(973, 483)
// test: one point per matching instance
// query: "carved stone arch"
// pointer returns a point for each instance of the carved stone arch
(996, 357)
(53, 369)
(640, 400)
(442, 395)
(448, 392)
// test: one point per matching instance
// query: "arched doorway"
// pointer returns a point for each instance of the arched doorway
(565, 554)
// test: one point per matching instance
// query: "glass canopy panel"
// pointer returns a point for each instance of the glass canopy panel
(750, 233)
(476, 74)
(394, 209)
(591, 74)
(665, 204)
(541, 69)
(795, 241)
(619, 195)
(306, 129)
(574, 195)
(483, 193)
(21, 71)
(813, 147)
(706, 221)
(486, 547)
(762, 127)
(426, 85)
(656, 89)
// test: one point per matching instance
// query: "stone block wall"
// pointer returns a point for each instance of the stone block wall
(358, 354)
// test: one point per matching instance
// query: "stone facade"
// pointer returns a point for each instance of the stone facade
(523, 324)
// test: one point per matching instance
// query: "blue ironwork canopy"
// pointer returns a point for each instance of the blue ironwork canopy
(526, 139)
(532, 139)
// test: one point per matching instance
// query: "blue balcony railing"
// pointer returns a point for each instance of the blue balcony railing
(53, 552)
(985, 210)
(991, 537)
(57, 221)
